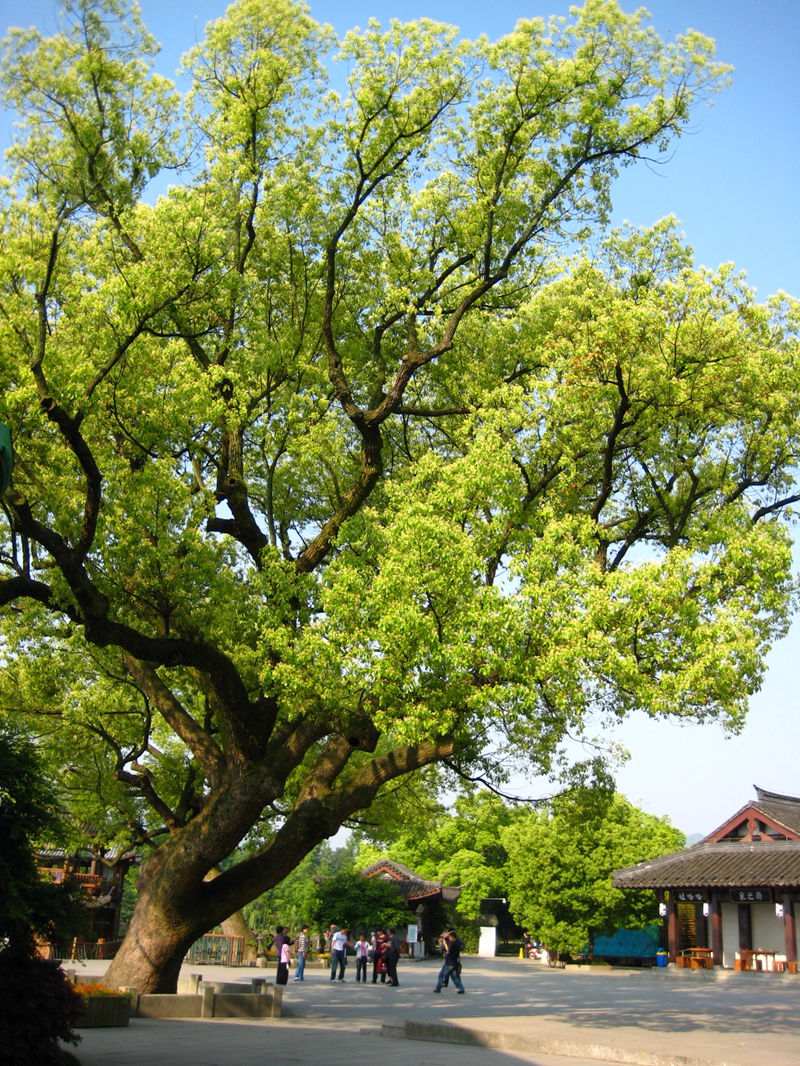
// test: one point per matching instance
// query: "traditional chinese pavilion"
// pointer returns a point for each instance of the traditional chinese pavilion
(423, 896)
(101, 877)
(731, 899)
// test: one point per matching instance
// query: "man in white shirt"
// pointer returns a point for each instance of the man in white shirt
(339, 944)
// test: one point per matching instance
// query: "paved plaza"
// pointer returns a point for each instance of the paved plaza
(514, 1012)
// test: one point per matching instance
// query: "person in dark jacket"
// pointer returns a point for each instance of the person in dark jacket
(451, 966)
(392, 955)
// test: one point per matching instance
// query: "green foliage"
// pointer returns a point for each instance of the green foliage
(294, 901)
(29, 908)
(328, 466)
(460, 847)
(560, 862)
(363, 904)
(38, 1008)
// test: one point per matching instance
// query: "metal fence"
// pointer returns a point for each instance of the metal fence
(217, 948)
(80, 949)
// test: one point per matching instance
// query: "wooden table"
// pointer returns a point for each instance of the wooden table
(757, 959)
(699, 958)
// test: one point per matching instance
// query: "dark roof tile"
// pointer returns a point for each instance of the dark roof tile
(725, 865)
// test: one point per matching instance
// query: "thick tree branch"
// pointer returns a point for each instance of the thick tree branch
(197, 739)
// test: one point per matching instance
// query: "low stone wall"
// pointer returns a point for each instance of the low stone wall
(182, 1005)
(197, 999)
(213, 1000)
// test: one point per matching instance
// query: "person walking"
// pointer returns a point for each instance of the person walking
(451, 967)
(362, 951)
(340, 941)
(301, 947)
(392, 956)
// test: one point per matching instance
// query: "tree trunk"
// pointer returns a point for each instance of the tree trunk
(176, 904)
(150, 957)
(181, 892)
(181, 895)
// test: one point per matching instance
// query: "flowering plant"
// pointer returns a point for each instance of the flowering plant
(94, 990)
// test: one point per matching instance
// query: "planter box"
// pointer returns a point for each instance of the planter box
(105, 1011)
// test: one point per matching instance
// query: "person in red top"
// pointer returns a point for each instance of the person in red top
(378, 960)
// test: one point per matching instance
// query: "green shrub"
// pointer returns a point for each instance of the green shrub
(38, 1008)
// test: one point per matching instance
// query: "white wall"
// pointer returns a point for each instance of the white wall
(767, 930)
(487, 947)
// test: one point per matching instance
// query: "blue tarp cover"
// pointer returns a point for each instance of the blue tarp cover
(629, 943)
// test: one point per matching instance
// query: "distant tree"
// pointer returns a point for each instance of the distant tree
(560, 861)
(362, 903)
(461, 846)
(294, 900)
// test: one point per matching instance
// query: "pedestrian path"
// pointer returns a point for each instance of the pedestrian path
(514, 1012)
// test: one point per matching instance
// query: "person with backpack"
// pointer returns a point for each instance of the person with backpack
(451, 967)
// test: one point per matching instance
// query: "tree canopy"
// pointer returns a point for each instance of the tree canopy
(329, 466)
(461, 847)
(560, 862)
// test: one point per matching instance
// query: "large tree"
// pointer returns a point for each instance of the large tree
(317, 480)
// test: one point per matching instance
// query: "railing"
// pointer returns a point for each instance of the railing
(92, 884)
(217, 949)
(79, 950)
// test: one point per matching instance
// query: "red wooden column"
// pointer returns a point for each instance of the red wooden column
(673, 931)
(789, 928)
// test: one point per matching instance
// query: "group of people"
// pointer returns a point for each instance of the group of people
(381, 950)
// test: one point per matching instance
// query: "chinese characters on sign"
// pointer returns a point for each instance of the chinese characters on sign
(751, 895)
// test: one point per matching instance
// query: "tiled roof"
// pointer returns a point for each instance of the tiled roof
(776, 811)
(783, 809)
(409, 884)
(728, 865)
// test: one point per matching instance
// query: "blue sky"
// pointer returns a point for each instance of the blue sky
(732, 183)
